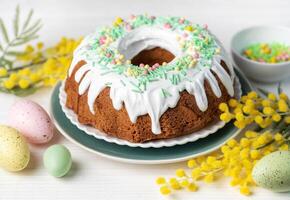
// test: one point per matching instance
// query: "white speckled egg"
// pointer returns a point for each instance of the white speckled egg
(14, 151)
(31, 120)
(273, 171)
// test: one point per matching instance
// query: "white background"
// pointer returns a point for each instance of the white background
(93, 177)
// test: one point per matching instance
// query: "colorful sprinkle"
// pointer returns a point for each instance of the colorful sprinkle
(167, 26)
(188, 28)
(181, 20)
(165, 93)
(268, 53)
(197, 46)
(118, 21)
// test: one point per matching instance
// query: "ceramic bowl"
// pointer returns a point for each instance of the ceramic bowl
(263, 72)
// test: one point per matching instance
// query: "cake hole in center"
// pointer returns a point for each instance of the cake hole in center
(152, 56)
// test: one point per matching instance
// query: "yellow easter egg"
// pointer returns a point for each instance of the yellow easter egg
(14, 151)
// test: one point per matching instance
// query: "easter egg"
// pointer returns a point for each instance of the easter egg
(57, 160)
(32, 121)
(14, 151)
(273, 171)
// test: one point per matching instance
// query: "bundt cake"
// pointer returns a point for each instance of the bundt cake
(149, 78)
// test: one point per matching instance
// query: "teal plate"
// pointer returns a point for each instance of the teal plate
(139, 155)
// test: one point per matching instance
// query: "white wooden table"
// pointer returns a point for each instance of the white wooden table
(93, 177)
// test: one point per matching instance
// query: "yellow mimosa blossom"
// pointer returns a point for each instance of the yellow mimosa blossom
(236, 158)
(160, 180)
(9, 84)
(3, 72)
(41, 66)
(165, 190)
(23, 83)
(192, 187)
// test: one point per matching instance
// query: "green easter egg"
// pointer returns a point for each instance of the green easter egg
(273, 171)
(57, 160)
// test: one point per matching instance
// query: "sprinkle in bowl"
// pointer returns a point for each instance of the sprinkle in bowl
(257, 70)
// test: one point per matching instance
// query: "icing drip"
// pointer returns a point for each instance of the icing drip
(151, 102)
(213, 82)
(224, 77)
(159, 94)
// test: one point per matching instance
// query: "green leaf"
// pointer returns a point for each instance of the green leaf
(14, 53)
(263, 92)
(4, 31)
(4, 90)
(28, 33)
(16, 21)
(32, 32)
(24, 40)
(24, 92)
(6, 63)
(285, 132)
(32, 27)
(27, 21)
(280, 90)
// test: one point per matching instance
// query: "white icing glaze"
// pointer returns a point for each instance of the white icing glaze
(148, 38)
(151, 101)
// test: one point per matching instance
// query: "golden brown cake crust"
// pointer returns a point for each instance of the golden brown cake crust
(184, 119)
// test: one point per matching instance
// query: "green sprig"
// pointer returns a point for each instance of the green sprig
(22, 34)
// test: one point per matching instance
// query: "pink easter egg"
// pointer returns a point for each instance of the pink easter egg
(32, 121)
